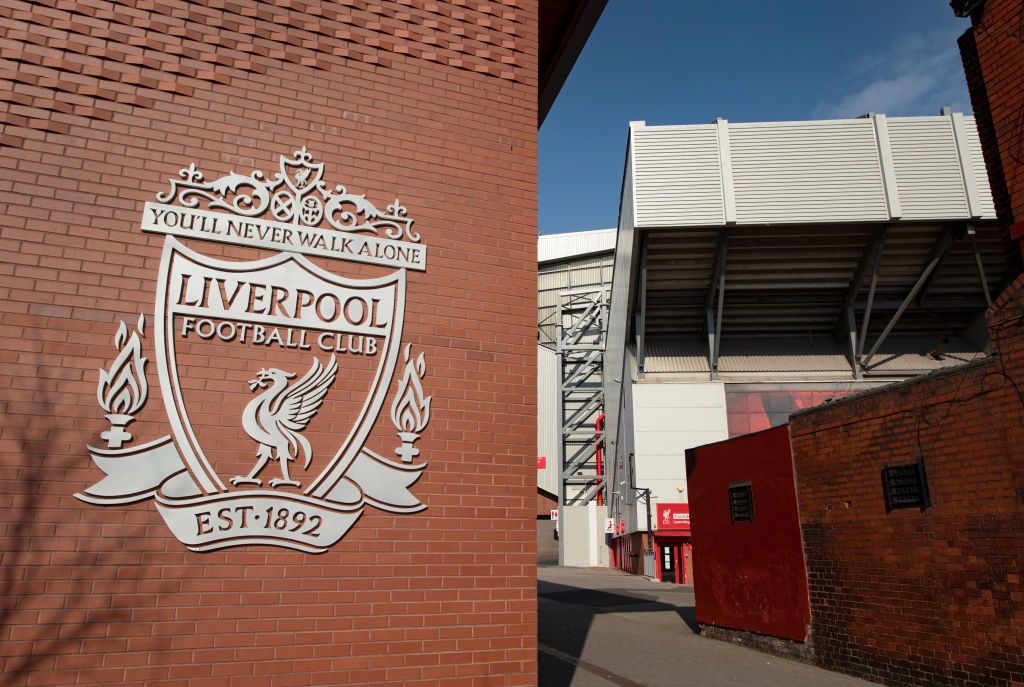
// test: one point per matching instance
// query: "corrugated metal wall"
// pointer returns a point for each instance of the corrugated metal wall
(592, 270)
(683, 190)
(809, 172)
(571, 244)
(985, 201)
(927, 168)
(584, 544)
(806, 171)
(547, 418)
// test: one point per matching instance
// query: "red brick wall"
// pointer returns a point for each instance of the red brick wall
(933, 596)
(748, 575)
(432, 101)
(993, 55)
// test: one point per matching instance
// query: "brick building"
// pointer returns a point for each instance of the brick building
(391, 563)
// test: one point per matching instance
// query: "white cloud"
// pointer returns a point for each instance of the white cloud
(919, 75)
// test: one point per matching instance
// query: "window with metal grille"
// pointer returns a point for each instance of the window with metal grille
(741, 502)
(905, 486)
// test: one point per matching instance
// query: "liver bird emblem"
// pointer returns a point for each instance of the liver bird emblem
(276, 418)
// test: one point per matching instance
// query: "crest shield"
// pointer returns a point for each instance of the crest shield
(267, 365)
(281, 301)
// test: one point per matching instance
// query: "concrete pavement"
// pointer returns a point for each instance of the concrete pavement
(604, 628)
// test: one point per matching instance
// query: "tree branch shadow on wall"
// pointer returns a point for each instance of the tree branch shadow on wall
(54, 597)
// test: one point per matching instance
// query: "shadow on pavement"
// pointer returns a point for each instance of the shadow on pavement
(565, 616)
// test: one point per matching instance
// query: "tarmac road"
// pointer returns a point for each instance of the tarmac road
(604, 628)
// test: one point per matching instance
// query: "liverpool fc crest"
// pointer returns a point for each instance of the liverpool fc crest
(272, 371)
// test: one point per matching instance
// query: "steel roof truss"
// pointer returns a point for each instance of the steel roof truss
(717, 269)
(954, 234)
(876, 267)
(716, 290)
(870, 259)
(851, 330)
(939, 251)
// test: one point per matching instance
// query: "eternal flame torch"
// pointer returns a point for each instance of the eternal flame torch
(410, 411)
(123, 389)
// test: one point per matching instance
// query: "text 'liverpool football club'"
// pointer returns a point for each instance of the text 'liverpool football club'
(324, 312)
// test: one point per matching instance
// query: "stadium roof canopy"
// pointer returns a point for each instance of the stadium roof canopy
(836, 249)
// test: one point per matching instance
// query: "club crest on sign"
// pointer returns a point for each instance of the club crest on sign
(272, 371)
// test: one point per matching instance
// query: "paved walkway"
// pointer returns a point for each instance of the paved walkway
(603, 628)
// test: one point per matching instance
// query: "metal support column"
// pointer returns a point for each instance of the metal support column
(851, 329)
(954, 234)
(871, 296)
(973, 238)
(641, 325)
(846, 324)
(713, 315)
(939, 251)
(560, 415)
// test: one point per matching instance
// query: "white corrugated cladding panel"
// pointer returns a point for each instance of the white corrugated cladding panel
(678, 176)
(988, 207)
(553, 280)
(817, 171)
(547, 418)
(573, 243)
(927, 167)
(574, 531)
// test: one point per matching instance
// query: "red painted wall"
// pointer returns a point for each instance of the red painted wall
(748, 575)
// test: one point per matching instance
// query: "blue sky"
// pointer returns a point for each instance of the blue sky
(687, 62)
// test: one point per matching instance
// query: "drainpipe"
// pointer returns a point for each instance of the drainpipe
(650, 531)
(598, 426)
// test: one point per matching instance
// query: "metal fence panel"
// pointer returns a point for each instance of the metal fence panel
(650, 560)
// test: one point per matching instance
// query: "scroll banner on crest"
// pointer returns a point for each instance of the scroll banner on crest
(262, 233)
(206, 522)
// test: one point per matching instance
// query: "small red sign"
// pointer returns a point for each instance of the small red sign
(542, 462)
(674, 516)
